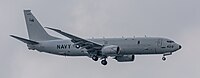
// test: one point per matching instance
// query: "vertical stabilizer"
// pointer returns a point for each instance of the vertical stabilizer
(35, 30)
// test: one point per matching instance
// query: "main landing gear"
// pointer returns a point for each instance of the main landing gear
(95, 58)
(103, 59)
(104, 62)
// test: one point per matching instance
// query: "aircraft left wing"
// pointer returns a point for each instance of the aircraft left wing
(89, 45)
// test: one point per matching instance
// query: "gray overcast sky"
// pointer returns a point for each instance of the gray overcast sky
(175, 19)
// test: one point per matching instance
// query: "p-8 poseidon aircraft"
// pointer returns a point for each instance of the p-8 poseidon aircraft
(120, 49)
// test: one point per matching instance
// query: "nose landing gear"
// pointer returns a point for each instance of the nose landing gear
(166, 54)
(164, 58)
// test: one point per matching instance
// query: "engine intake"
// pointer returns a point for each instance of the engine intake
(110, 50)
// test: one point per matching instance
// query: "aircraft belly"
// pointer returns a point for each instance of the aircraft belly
(62, 51)
(76, 53)
(72, 52)
(137, 50)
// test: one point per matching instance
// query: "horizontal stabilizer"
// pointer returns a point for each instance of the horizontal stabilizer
(25, 40)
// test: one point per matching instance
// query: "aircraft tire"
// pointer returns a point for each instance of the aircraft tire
(103, 62)
(164, 58)
(95, 58)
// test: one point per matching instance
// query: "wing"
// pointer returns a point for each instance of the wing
(87, 44)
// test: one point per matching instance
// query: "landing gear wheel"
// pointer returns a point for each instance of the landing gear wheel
(163, 58)
(95, 58)
(103, 62)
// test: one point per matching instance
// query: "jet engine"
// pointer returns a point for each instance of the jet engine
(125, 58)
(110, 50)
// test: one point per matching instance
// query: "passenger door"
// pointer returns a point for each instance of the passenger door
(159, 46)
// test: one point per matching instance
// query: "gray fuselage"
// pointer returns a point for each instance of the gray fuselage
(128, 46)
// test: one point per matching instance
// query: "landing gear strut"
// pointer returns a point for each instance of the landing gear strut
(104, 62)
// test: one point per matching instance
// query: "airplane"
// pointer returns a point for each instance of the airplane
(120, 49)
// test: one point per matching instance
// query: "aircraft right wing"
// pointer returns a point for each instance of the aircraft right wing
(87, 44)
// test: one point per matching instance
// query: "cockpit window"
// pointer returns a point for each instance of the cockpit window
(170, 41)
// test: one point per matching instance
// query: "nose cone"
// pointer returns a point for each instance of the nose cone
(180, 46)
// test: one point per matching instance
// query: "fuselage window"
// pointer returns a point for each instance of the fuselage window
(170, 46)
(170, 41)
(69, 46)
(163, 47)
(138, 42)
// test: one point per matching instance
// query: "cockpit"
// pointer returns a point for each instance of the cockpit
(170, 41)
(171, 44)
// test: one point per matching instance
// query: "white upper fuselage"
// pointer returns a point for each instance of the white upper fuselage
(128, 46)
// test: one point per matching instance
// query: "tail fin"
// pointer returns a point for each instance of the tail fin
(35, 30)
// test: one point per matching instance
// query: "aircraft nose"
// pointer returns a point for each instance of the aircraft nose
(180, 46)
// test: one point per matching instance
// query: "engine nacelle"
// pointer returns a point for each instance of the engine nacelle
(110, 50)
(125, 58)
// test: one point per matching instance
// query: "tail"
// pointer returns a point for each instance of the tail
(25, 40)
(35, 31)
